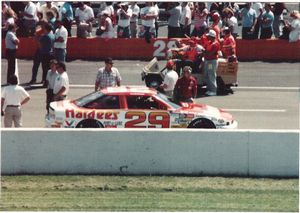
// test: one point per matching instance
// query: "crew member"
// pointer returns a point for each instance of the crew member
(61, 84)
(50, 81)
(170, 79)
(229, 45)
(60, 43)
(186, 87)
(107, 76)
(13, 96)
(215, 25)
(211, 63)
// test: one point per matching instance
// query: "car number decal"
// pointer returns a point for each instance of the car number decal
(155, 119)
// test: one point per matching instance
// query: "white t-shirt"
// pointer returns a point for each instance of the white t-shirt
(295, 33)
(123, 21)
(170, 80)
(257, 6)
(201, 21)
(51, 77)
(31, 10)
(44, 9)
(61, 32)
(149, 10)
(186, 13)
(234, 23)
(85, 14)
(109, 33)
(135, 11)
(14, 94)
(62, 80)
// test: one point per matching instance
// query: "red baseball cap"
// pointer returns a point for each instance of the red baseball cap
(170, 64)
(215, 16)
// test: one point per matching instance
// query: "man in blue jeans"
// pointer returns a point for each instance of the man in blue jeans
(249, 18)
(44, 54)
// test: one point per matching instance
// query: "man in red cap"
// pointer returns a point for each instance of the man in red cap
(170, 79)
(186, 87)
(229, 44)
(215, 25)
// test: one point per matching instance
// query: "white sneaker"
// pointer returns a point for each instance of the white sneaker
(209, 93)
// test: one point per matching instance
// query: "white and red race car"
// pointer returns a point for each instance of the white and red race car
(134, 107)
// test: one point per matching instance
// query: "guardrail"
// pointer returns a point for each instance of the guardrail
(150, 152)
(139, 49)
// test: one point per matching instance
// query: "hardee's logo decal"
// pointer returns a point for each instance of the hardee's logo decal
(71, 113)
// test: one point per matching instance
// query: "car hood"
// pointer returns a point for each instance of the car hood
(200, 109)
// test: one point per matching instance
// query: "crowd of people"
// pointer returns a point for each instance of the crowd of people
(129, 20)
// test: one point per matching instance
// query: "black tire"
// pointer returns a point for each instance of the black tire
(202, 123)
(89, 123)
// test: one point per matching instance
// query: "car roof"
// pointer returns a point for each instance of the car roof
(129, 90)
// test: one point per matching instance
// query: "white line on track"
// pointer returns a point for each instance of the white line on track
(255, 110)
(238, 88)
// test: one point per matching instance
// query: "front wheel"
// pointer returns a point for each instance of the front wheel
(89, 123)
(202, 123)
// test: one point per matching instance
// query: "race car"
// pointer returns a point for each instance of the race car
(134, 107)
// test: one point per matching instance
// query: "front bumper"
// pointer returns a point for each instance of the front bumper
(233, 125)
(51, 123)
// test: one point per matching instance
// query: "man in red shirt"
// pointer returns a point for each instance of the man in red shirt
(186, 87)
(211, 63)
(215, 25)
(229, 44)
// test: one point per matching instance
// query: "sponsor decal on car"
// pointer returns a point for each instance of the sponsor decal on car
(93, 114)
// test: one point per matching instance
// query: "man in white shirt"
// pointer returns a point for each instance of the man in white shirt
(231, 21)
(61, 84)
(84, 17)
(259, 8)
(148, 16)
(50, 81)
(124, 14)
(29, 18)
(60, 42)
(13, 97)
(170, 79)
(48, 6)
(134, 19)
(185, 19)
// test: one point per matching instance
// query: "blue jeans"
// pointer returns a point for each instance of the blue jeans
(210, 69)
(60, 54)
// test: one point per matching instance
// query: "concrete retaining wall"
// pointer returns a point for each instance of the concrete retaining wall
(137, 152)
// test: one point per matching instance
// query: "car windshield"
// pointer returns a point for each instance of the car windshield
(168, 100)
(88, 98)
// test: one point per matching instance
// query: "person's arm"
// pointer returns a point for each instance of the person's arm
(118, 78)
(2, 104)
(61, 39)
(61, 91)
(126, 14)
(25, 100)
(96, 86)
(195, 89)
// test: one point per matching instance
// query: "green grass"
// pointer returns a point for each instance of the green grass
(120, 193)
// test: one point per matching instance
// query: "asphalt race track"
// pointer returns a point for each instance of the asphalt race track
(267, 96)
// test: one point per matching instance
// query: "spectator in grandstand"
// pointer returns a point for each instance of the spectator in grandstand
(185, 19)
(148, 16)
(49, 6)
(173, 13)
(211, 63)
(107, 76)
(170, 79)
(29, 18)
(9, 17)
(200, 14)
(134, 19)
(84, 17)
(106, 29)
(50, 81)
(14, 97)
(259, 8)
(124, 15)
(186, 87)
(66, 16)
(277, 10)
(231, 21)
(249, 20)
(228, 45)
(11, 44)
(51, 19)
(294, 26)
(60, 43)
(61, 83)
(43, 54)
(267, 19)
(215, 25)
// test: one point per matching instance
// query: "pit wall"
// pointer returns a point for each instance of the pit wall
(150, 152)
(139, 49)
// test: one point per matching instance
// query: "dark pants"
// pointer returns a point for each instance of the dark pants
(156, 29)
(123, 32)
(198, 32)
(148, 34)
(60, 54)
(49, 98)
(11, 62)
(247, 34)
(256, 30)
(68, 25)
(185, 31)
(266, 33)
(38, 59)
(174, 32)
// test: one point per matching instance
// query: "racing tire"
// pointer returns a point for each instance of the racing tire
(89, 123)
(202, 123)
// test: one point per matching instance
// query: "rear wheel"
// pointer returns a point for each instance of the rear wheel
(202, 123)
(89, 123)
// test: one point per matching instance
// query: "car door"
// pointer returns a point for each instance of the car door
(144, 111)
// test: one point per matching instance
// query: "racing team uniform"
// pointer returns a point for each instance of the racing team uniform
(185, 89)
(229, 47)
